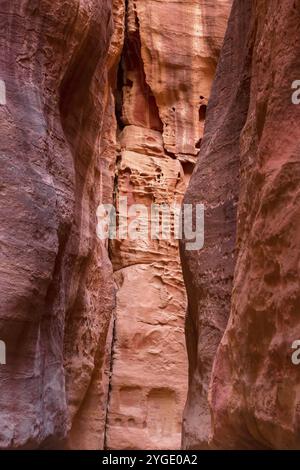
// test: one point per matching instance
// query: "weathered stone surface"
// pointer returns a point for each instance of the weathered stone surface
(180, 43)
(142, 140)
(208, 273)
(149, 365)
(167, 67)
(248, 177)
(147, 180)
(63, 101)
(170, 57)
(56, 278)
(255, 387)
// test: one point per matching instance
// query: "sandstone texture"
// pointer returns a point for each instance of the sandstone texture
(84, 85)
(180, 44)
(57, 161)
(166, 70)
(243, 287)
(102, 99)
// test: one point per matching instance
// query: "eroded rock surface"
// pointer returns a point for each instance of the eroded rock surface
(56, 278)
(167, 66)
(248, 178)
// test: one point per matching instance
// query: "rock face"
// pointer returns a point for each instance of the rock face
(59, 66)
(163, 89)
(105, 99)
(243, 287)
(57, 119)
(180, 44)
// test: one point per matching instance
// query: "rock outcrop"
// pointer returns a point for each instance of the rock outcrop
(168, 63)
(243, 287)
(57, 123)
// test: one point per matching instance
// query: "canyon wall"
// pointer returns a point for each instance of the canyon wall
(57, 130)
(165, 75)
(98, 99)
(243, 287)
(102, 99)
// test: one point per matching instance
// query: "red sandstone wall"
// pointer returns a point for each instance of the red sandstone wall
(244, 388)
(56, 278)
(166, 71)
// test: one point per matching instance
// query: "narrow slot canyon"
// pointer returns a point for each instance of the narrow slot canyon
(155, 160)
(111, 110)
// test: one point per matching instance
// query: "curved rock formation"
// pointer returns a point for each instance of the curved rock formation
(247, 176)
(56, 278)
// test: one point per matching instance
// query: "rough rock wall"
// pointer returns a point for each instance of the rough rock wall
(57, 291)
(165, 75)
(247, 176)
(180, 44)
